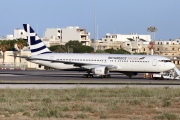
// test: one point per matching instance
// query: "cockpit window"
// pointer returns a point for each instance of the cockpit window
(165, 61)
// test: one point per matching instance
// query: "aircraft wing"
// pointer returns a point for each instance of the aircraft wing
(75, 63)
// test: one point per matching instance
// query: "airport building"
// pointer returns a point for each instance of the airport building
(11, 61)
(167, 48)
(60, 36)
(126, 38)
(56, 36)
(133, 43)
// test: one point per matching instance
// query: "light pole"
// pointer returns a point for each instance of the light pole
(94, 26)
(152, 31)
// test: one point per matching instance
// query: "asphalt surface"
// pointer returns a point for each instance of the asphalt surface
(71, 77)
(56, 79)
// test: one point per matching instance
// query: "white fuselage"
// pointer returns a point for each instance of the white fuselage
(126, 63)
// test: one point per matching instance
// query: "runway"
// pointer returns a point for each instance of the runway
(56, 79)
(57, 76)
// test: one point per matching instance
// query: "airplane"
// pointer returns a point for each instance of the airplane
(95, 64)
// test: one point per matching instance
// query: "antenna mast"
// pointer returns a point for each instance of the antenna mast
(95, 26)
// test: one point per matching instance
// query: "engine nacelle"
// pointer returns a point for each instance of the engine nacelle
(102, 70)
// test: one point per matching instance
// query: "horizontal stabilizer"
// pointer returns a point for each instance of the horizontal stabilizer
(19, 56)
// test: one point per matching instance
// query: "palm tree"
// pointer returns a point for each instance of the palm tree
(4, 45)
(11, 44)
(13, 49)
(20, 44)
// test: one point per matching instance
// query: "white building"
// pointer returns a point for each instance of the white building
(9, 37)
(63, 35)
(133, 42)
(126, 38)
(18, 33)
(166, 42)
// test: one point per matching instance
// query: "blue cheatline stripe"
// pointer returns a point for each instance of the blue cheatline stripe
(25, 27)
(34, 41)
(46, 52)
(38, 49)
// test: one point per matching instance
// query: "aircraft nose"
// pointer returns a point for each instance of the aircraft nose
(171, 65)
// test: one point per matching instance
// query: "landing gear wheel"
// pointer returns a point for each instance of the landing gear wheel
(108, 76)
(105, 76)
(88, 76)
(85, 76)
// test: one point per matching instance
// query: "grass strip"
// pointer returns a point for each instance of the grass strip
(82, 103)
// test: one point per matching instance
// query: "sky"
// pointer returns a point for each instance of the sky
(112, 16)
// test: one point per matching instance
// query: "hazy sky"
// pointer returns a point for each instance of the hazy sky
(113, 16)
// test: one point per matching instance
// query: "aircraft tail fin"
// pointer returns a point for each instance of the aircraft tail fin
(37, 46)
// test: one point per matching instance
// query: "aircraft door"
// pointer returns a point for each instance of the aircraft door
(154, 62)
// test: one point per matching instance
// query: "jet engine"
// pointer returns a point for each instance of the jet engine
(102, 70)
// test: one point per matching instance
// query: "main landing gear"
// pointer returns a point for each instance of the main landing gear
(88, 76)
(91, 76)
(105, 76)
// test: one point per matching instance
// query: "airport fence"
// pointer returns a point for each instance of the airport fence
(13, 66)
